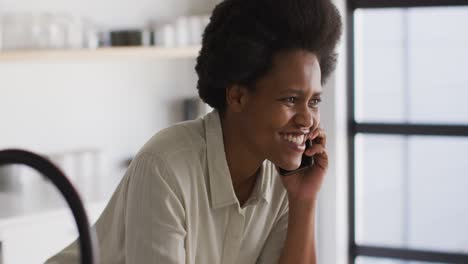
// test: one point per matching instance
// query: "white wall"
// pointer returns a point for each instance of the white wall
(332, 217)
(113, 105)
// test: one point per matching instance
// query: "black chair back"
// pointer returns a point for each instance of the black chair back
(87, 239)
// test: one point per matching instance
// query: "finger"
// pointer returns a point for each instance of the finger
(320, 156)
(321, 160)
(314, 134)
(319, 137)
(315, 149)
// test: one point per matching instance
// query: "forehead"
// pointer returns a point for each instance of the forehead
(296, 69)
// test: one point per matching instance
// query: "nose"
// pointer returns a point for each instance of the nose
(305, 118)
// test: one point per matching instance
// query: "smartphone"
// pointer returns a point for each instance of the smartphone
(306, 162)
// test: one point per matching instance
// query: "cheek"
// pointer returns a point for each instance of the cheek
(270, 125)
(317, 119)
(270, 119)
(281, 117)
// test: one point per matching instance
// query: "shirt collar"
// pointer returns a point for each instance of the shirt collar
(221, 189)
(262, 189)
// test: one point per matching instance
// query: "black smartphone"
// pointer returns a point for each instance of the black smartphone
(306, 162)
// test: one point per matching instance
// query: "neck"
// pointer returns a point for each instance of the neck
(242, 162)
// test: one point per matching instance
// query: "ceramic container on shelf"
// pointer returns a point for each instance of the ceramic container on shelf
(24, 31)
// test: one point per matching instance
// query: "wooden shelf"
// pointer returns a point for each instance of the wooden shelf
(100, 53)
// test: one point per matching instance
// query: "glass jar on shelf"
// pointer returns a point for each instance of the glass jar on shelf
(15, 31)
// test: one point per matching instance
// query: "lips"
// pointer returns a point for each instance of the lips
(295, 140)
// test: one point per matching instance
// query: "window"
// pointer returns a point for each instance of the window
(408, 122)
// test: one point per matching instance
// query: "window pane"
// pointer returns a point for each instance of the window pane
(369, 260)
(411, 65)
(411, 192)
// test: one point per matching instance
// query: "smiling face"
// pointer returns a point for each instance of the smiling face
(282, 109)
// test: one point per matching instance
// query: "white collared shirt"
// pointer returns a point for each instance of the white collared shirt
(176, 204)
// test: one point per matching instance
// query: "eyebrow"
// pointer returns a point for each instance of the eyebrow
(299, 92)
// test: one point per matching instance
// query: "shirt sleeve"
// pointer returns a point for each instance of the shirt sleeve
(274, 244)
(144, 221)
(155, 215)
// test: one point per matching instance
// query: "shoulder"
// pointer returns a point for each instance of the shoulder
(188, 136)
(175, 155)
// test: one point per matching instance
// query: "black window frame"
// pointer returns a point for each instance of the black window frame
(354, 128)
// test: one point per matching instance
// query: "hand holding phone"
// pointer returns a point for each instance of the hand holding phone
(306, 162)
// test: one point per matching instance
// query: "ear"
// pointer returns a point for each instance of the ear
(236, 97)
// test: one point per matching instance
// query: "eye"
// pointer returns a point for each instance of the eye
(315, 102)
(290, 100)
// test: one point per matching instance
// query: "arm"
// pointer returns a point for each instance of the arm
(155, 216)
(299, 246)
(303, 188)
(292, 238)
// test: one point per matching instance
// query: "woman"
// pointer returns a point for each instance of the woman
(208, 191)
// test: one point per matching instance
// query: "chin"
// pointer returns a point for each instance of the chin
(289, 164)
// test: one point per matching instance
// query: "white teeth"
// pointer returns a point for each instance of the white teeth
(299, 139)
(294, 139)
